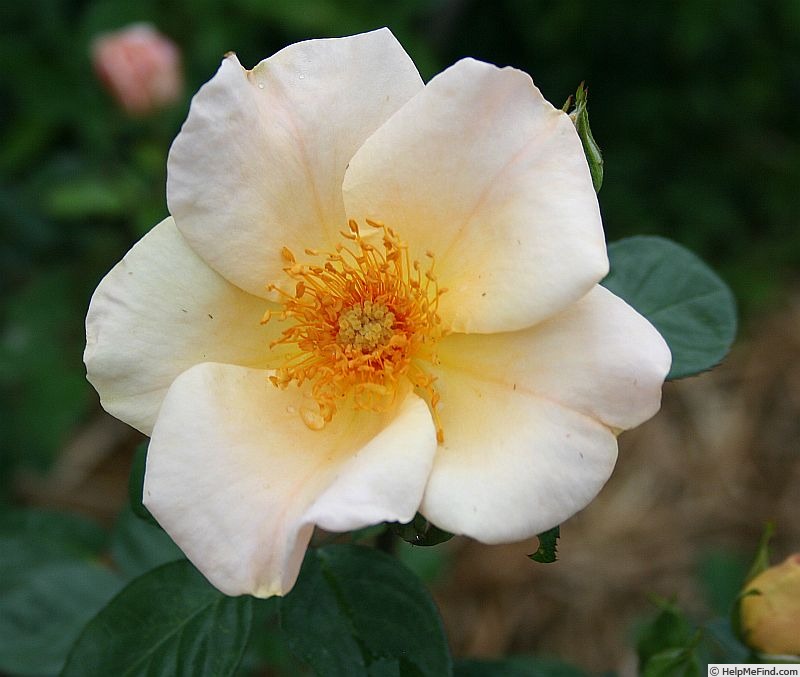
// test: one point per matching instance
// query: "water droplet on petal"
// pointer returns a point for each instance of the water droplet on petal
(313, 419)
(261, 85)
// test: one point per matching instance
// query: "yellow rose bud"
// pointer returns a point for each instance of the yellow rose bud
(770, 609)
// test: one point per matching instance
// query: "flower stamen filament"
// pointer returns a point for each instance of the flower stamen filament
(364, 322)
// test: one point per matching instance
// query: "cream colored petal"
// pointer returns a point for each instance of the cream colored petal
(259, 163)
(512, 467)
(238, 480)
(484, 172)
(530, 417)
(598, 357)
(158, 312)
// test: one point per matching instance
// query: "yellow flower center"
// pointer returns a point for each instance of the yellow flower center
(366, 326)
(364, 323)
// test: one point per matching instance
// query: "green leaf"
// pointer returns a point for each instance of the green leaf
(420, 531)
(720, 573)
(33, 535)
(137, 546)
(44, 608)
(267, 645)
(39, 369)
(385, 667)
(548, 546)
(681, 296)
(84, 197)
(515, 667)
(668, 630)
(681, 662)
(427, 564)
(580, 118)
(356, 612)
(49, 587)
(367, 533)
(136, 485)
(723, 643)
(169, 622)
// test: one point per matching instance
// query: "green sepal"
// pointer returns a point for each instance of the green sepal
(547, 553)
(420, 531)
(760, 564)
(761, 559)
(580, 118)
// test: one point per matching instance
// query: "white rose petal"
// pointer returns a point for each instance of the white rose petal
(158, 312)
(238, 481)
(485, 173)
(259, 162)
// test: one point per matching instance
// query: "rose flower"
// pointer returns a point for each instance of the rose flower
(373, 297)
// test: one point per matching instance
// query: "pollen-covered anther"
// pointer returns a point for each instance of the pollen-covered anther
(363, 322)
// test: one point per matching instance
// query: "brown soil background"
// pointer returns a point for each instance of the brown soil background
(720, 459)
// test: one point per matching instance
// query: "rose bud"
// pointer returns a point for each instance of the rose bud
(770, 609)
(140, 67)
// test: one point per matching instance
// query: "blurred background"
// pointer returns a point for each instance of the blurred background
(695, 105)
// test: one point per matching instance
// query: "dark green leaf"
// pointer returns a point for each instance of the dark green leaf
(356, 612)
(428, 564)
(39, 368)
(721, 574)
(548, 546)
(515, 667)
(367, 533)
(684, 299)
(420, 531)
(43, 610)
(49, 587)
(170, 622)
(385, 667)
(267, 645)
(35, 535)
(317, 623)
(136, 484)
(137, 546)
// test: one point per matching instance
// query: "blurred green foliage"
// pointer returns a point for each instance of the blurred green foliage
(692, 102)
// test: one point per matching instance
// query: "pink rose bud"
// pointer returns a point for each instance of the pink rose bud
(770, 613)
(140, 67)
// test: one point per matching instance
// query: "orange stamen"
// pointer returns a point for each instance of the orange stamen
(363, 322)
